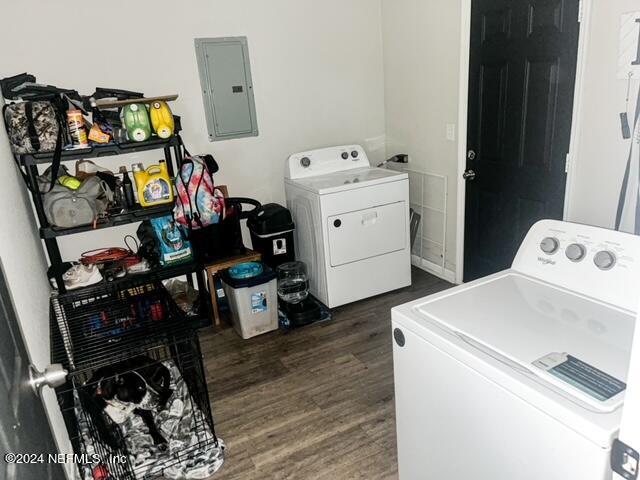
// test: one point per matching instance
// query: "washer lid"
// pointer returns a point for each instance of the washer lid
(348, 180)
(578, 345)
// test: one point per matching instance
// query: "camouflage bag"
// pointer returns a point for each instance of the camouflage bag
(35, 127)
(32, 126)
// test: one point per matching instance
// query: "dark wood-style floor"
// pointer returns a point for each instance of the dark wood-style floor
(314, 403)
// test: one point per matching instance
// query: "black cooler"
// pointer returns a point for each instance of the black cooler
(271, 228)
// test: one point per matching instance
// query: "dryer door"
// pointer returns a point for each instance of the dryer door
(367, 233)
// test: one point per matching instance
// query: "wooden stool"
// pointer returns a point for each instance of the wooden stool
(212, 272)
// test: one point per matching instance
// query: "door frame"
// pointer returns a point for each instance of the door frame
(463, 105)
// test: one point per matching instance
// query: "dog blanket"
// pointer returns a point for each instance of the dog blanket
(192, 451)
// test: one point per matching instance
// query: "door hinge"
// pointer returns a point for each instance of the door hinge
(580, 11)
(567, 163)
(624, 460)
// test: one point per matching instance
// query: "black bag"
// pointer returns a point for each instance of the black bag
(222, 239)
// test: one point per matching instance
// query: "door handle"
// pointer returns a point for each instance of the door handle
(53, 376)
(369, 218)
(469, 175)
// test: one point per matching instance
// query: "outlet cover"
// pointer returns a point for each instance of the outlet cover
(451, 132)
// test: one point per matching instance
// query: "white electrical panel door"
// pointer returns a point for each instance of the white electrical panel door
(227, 88)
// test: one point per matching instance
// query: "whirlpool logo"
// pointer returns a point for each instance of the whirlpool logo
(546, 261)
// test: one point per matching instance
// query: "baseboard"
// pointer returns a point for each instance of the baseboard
(433, 269)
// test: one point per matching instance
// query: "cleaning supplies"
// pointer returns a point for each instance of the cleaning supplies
(77, 128)
(163, 242)
(161, 119)
(136, 120)
(136, 168)
(101, 131)
(127, 187)
(153, 184)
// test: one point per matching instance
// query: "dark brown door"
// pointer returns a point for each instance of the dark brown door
(521, 84)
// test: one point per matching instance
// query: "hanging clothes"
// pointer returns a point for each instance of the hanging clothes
(628, 214)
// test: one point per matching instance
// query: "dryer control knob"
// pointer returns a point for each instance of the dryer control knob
(354, 154)
(549, 245)
(345, 155)
(605, 260)
(305, 162)
(576, 252)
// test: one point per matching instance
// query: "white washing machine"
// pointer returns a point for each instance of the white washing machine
(352, 223)
(520, 375)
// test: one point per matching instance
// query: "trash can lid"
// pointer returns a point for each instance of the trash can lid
(270, 218)
(246, 270)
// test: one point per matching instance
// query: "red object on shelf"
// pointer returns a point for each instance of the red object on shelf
(101, 473)
(157, 312)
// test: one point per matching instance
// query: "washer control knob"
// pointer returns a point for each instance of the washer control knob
(344, 155)
(305, 162)
(576, 252)
(354, 154)
(549, 245)
(605, 260)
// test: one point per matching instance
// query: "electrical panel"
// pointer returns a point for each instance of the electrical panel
(227, 88)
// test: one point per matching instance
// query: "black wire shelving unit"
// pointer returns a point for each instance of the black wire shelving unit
(50, 233)
(111, 322)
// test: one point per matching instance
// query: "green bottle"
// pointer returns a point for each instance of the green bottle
(136, 120)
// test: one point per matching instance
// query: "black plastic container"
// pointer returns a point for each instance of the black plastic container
(271, 228)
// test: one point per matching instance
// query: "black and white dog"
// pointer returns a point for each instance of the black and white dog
(139, 385)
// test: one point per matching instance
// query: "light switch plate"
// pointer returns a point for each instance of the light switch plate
(451, 132)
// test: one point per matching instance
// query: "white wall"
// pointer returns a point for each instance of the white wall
(318, 78)
(316, 66)
(599, 152)
(421, 41)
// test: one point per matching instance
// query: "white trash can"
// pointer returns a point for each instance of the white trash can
(253, 298)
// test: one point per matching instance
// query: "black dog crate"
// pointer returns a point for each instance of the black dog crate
(110, 341)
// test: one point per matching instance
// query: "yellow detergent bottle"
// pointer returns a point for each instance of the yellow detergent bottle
(161, 119)
(153, 185)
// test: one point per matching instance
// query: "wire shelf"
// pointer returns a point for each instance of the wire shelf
(131, 280)
(93, 328)
(134, 215)
(95, 151)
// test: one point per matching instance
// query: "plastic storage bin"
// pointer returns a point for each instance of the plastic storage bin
(253, 299)
(271, 228)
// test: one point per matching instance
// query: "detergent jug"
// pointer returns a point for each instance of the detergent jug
(153, 185)
(136, 120)
(161, 119)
